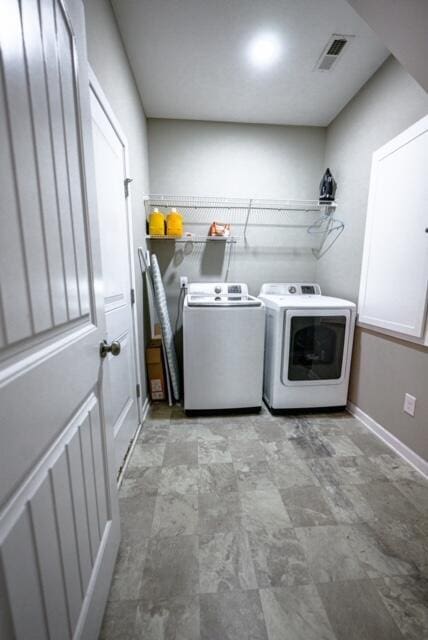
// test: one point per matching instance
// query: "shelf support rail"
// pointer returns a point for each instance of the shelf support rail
(247, 218)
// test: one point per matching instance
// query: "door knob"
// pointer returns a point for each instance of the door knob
(113, 348)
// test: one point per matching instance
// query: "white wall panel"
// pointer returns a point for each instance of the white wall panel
(44, 157)
(72, 138)
(89, 485)
(22, 580)
(14, 302)
(18, 112)
(61, 170)
(60, 479)
(6, 628)
(49, 559)
(51, 533)
(43, 189)
(97, 446)
(395, 257)
(80, 514)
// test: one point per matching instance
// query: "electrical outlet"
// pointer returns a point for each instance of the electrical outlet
(409, 404)
(184, 281)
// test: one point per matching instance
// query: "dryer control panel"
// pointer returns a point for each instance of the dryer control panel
(290, 289)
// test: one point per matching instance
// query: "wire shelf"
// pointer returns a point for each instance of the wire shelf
(206, 202)
(194, 238)
(248, 217)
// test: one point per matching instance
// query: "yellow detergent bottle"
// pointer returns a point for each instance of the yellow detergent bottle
(156, 223)
(174, 224)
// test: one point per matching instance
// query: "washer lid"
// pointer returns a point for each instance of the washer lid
(200, 300)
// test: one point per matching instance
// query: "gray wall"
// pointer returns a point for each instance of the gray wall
(240, 160)
(228, 159)
(402, 27)
(109, 62)
(383, 369)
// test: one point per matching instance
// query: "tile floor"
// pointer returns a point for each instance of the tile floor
(268, 528)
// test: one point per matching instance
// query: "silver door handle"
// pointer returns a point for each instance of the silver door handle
(113, 348)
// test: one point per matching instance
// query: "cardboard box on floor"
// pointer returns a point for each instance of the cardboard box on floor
(155, 370)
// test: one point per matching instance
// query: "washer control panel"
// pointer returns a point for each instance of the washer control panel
(232, 291)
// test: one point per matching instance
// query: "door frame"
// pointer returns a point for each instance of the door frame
(100, 96)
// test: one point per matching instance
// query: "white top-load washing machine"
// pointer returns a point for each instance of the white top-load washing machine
(308, 346)
(223, 342)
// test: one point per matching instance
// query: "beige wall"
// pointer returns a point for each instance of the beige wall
(110, 65)
(383, 369)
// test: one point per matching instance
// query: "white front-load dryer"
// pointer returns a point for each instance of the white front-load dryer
(308, 346)
(223, 343)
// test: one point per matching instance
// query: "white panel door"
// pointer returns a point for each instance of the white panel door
(59, 523)
(394, 275)
(120, 383)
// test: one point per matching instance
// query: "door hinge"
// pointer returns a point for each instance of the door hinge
(126, 186)
(138, 391)
(132, 296)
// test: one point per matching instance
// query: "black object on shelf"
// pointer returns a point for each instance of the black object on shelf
(328, 187)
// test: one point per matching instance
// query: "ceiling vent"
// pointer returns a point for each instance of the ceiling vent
(332, 51)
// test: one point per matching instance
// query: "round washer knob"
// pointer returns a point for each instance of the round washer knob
(217, 289)
(292, 289)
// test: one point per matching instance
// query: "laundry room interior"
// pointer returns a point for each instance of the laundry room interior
(214, 301)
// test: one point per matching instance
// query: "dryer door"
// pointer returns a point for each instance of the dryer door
(315, 346)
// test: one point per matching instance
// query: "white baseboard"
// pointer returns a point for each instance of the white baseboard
(390, 440)
(144, 412)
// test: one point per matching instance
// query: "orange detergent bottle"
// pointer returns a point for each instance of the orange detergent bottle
(156, 223)
(174, 224)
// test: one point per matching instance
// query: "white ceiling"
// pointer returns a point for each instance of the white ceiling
(190, 58)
